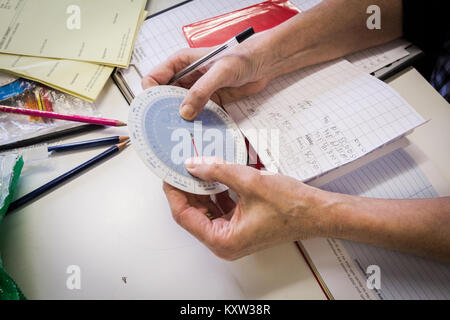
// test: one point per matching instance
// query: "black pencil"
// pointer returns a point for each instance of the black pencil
(66, 176)
(88, 144)
(50, 136)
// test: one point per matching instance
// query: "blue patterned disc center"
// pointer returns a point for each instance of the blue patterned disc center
(173, 139)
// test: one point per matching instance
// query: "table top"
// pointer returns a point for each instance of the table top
(433, 138)
(114, 223)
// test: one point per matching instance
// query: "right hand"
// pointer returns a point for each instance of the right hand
(239, 73)
(271, 209)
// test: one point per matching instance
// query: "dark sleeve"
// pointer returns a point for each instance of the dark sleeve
(427, 25)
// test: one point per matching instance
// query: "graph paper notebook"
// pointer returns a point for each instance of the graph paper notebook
(317, 119)
(341, 265)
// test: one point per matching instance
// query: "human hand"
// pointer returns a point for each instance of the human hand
(272, 209)
(239, 73)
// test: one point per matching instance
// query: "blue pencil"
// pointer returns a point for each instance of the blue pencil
(88, 144)
(66, 176)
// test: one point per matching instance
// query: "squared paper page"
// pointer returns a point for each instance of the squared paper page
(403, 276)
(306, 4)
(311, 121)
(162, 35)
(373, 59)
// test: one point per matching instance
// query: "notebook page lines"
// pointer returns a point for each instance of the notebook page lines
(328, 115)
(403, 276)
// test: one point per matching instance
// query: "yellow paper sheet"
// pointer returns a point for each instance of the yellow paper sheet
(84, 80)
(100, 31)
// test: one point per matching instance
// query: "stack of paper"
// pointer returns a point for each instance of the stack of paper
(70, 46)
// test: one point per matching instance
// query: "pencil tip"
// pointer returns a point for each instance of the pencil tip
(120, 124)
(123, 138)
(123, 145)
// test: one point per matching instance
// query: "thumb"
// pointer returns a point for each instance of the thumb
(218, 76)
(240, 178)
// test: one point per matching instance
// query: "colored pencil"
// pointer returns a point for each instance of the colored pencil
(47, 102)
(41, 105)
(30, 101)
(64, 177)
(88, 144)
(50, 136)
(68, 117)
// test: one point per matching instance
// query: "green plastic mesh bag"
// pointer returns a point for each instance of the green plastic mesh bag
(10, 168)
(8, 288)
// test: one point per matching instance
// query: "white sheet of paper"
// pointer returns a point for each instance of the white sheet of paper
(373, 59)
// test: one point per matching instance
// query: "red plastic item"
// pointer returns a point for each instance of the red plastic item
(262, 16)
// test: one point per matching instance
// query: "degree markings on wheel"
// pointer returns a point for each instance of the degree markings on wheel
(164, 140)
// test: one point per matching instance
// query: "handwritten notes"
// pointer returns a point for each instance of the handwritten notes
(325, 116)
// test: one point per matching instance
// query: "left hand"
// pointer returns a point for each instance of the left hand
(241, 72)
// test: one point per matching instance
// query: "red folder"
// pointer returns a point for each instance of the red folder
(262, 16)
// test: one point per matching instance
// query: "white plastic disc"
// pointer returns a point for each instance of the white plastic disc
(164, 140)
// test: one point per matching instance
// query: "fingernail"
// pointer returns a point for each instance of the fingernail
(192, 163)
(187, 112)
(189, 163)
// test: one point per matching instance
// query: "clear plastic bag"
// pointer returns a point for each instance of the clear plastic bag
(7, 165)
(28, 94)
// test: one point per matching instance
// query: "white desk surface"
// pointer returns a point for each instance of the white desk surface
(113, 221)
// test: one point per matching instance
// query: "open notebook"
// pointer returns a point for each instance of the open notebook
(341, 265)
(314, 120)
(307, 124)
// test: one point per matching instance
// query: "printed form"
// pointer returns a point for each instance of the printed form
(100, 31)
(82, 79)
